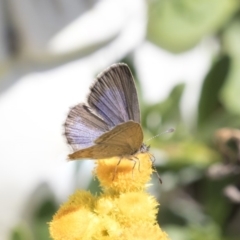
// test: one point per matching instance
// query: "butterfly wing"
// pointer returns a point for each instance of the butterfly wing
(82, 127)
(124, 139)
(114, 97)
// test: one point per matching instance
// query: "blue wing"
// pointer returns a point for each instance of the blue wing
(82, 127)
(114, 96)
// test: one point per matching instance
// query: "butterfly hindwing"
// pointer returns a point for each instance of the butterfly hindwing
(125, 134)
(124, 139)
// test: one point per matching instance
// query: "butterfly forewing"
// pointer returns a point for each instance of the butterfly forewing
(114, 97)
(124, 139)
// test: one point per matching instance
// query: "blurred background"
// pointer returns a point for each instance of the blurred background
(185, 56)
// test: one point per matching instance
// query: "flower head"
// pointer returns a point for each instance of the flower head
(123, 211)
(124, 175)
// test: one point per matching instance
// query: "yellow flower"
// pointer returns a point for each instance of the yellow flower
(143, 231)
(123, 211)
(136, 206)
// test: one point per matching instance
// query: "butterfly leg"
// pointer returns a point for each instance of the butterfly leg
(134, 163)
(137, 159)
(115, 171)
(153, 159)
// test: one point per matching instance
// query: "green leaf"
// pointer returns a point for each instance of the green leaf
(41, 229)
(230, 92)
(231, 36)
(207, 231)
(94, 186)
(209, 103)
(178, 25)
(21, 232)
(42, 216)
(216, 205)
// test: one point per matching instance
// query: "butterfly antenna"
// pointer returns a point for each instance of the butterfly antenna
(170, 130)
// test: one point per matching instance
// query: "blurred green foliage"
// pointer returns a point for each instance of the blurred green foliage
(209, 102)
(36, 217)
(178, 25)
(193, 204)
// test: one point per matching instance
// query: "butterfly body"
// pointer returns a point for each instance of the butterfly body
(109, 124)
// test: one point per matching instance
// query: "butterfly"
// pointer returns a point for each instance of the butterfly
(109, 124)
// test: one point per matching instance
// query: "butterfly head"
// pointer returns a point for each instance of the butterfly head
(144, 148)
